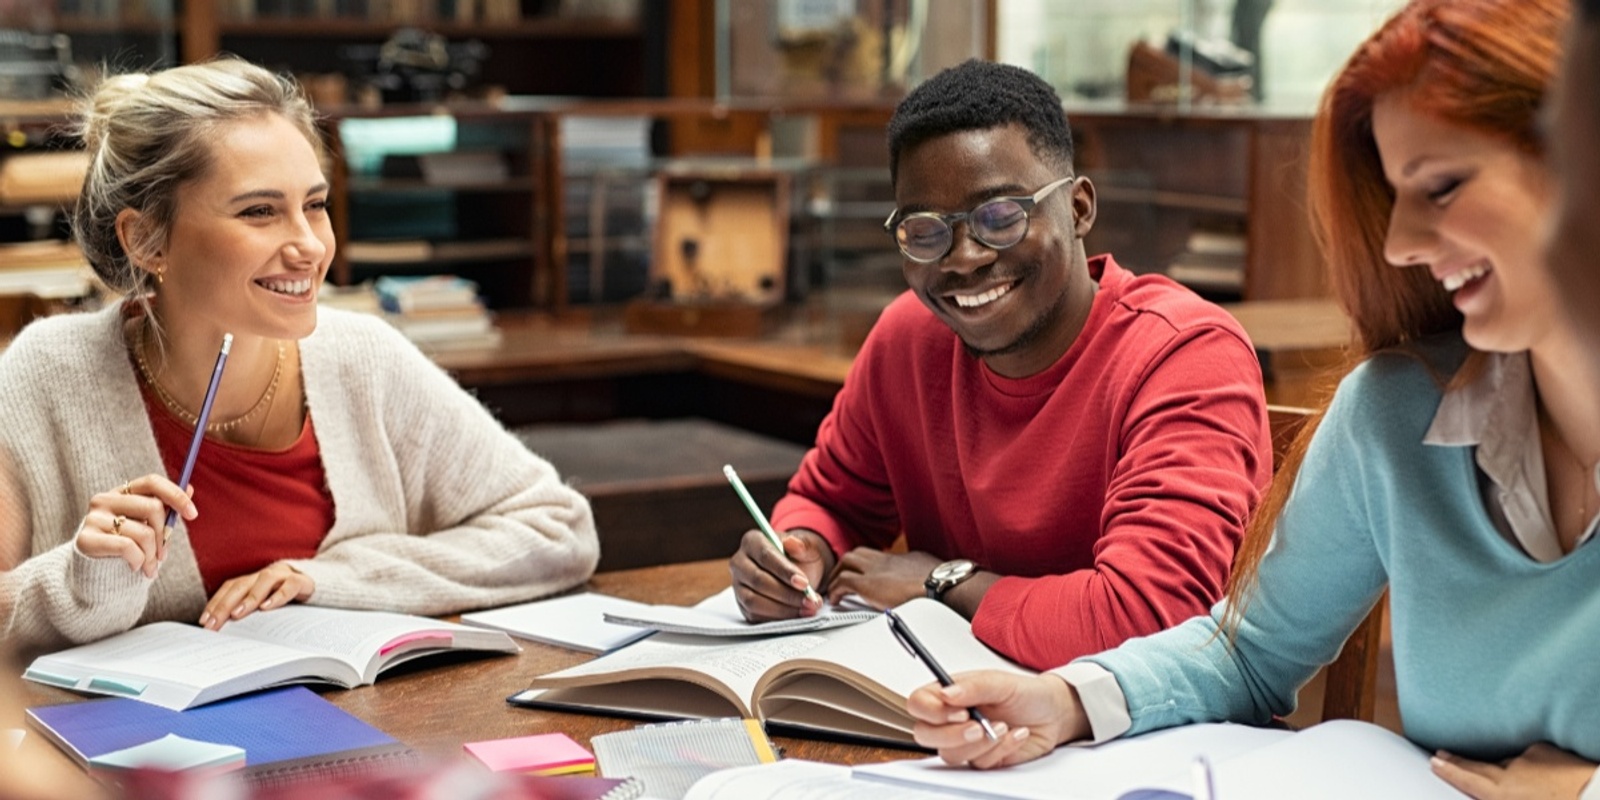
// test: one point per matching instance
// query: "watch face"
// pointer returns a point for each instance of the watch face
(952, 570)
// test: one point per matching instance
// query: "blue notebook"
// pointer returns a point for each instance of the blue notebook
(287, 734)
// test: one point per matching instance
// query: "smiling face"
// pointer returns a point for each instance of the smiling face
(1469, 208)
(251, 240)
(1020, 308)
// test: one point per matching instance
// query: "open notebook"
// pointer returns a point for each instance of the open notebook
(719, 615)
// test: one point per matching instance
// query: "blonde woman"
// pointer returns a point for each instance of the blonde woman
(340, 467)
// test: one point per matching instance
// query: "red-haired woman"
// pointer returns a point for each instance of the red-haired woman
(1455, 465)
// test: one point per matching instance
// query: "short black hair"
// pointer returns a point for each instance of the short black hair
(978, 95)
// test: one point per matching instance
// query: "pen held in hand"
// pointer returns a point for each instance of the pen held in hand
(200, 426)
(913, 645)
(761, 520)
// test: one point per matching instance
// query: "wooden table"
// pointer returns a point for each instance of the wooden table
(436, 707)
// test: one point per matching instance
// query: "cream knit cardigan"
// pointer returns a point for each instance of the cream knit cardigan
(436, 507)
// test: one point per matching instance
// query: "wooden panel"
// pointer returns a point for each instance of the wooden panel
(1282, 260)
(691, 63)
(723, 237)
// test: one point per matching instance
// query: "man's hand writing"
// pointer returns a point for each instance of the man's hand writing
(767, 585)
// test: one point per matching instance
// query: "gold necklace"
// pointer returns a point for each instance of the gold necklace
(183, 413)
(1586, 471)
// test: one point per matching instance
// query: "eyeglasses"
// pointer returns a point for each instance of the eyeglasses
(926, 237)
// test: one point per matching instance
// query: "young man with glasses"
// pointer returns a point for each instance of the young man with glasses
(1069, 449)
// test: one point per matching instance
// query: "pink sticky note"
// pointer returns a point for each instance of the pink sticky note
(546, 751)
(419, 639)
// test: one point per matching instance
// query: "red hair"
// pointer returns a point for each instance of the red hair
(1479, 64)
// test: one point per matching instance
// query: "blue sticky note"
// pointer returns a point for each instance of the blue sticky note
(172, 753)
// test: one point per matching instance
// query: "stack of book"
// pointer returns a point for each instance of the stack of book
(42, 178)
(50, 269)
(437, 311)
(1212, 262)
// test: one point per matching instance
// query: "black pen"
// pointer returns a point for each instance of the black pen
(902, 631)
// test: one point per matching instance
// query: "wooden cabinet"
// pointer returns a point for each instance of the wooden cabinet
(1205, 188)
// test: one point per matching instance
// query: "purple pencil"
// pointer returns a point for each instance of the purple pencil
(200, 423)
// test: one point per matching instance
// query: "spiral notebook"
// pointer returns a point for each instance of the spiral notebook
(287, 734)
(667, 758)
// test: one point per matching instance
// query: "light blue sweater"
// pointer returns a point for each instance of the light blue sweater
(1493, 650)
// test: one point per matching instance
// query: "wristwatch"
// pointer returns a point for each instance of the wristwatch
(947, 576)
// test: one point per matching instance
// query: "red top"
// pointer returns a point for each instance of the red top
(256, 507)
(1113, 486)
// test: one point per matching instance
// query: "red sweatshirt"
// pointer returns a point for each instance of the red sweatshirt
(1111, 489)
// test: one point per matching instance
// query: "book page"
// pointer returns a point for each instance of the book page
(1158, 760)
(880, 671)
(800, 780)
(730, 667)
(171, 663)
(719, 615)
(356, 638)
(1337, 759)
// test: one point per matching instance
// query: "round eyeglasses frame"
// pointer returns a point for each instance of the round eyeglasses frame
(896, 227)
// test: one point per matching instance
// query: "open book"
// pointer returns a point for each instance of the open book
(850, 681)
(179, 666)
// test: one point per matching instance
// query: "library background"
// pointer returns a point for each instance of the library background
(647, 233)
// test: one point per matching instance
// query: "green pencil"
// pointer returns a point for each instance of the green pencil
(761, 519)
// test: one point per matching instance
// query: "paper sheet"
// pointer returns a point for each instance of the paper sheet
(574, 621)
(719, 615)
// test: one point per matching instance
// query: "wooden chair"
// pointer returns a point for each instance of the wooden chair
(1351, 682)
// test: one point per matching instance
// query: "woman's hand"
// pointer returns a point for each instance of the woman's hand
(277, 585)
(129, 522)
(1031, 715)
(1542, 772)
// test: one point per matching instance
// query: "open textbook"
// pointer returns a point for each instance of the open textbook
(1333, 761)
(850, 681)
(719, 615)
(178, 666)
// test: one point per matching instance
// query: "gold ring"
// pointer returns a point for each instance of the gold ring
(116, 524)
(127, 488)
